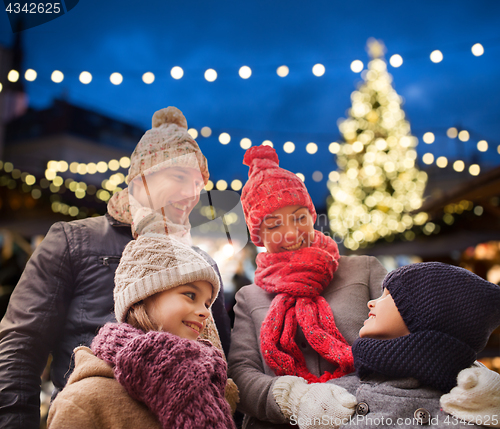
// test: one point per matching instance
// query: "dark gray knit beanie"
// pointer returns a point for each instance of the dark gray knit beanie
(432, 296)
(450, 313)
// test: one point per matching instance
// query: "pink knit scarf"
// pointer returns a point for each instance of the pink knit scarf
(298, 278)
(181, 381)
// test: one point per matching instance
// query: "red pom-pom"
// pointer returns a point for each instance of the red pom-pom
(260, 152)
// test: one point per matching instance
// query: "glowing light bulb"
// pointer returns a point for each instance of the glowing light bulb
(442, 162)
(236, 185)
(477, 50)
(396, 60)
(148, 78)
(436, 56)
(463, 136)
(57, 76)
(245, 72)
(459, 166)
(428, 158)
(85, 77)
(193, 133)
(428, 138)
(116, 78)
(474, 170)
(221, 185)
(318, 70)
(357, 66)
(206, 132)
(282, 71)
(13, 76)
(482, 146)
(245, 143)
(224, 138)
(210, 75)
(30, 75)
(311, 148)
(334, 147)
(452, 133)
(289, 147)
(177, 73)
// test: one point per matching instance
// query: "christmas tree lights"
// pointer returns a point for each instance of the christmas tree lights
(379, 183)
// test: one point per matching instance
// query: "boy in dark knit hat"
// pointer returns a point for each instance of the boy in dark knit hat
(429, 324)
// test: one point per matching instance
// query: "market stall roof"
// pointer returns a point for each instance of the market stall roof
(467, 230)
(479, 189)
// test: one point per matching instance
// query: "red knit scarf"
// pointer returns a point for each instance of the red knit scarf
(298, 278)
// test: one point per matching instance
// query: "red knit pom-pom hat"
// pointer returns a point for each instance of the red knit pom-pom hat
(269, 188)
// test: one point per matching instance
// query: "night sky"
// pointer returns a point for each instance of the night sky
(132, 37)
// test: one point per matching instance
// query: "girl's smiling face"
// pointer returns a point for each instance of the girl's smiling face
(287, 229)
(384, 320)
(182, 310)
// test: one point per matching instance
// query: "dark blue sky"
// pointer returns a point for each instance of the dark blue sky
(133, 37)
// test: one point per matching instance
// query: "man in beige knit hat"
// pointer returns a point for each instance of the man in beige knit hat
(66, 291)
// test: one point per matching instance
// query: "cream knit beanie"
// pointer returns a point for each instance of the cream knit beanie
(154, 263)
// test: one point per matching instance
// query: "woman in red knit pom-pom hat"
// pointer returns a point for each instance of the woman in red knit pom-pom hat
(308, 303)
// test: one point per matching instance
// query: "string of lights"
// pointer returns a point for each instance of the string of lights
(116, 181)
(211, 75)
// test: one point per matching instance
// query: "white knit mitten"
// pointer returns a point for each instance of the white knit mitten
(476, 398)
(313, 406)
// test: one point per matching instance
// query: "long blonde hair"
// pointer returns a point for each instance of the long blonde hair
(138, 317)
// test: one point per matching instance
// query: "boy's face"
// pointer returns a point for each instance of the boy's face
(287, 229)
(384, 320)
(182, 310)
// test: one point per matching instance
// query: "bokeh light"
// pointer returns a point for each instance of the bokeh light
(318, 70)
(177, 73)
(436, 56)
(282, 71)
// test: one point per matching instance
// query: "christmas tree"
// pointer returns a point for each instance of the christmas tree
(378, 183)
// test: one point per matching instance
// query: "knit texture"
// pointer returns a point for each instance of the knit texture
(153, 264)
(269, 188)
(168, 143)
(146, 221)
(476, 398)
(433, 358)
(298, 278)
(450, 313)
(448, 299)
(181, 381)
(310, 403)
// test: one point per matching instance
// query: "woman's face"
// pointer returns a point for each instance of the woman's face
(182, 310)
(384, 320)
(287, 229)
(176, 190)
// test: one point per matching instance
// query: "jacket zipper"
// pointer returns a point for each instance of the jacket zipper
(106, 260)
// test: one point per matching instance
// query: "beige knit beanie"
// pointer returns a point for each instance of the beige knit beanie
(168, 140)
(155, 263)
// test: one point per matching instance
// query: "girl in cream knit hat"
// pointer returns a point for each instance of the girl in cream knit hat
(151, 370)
